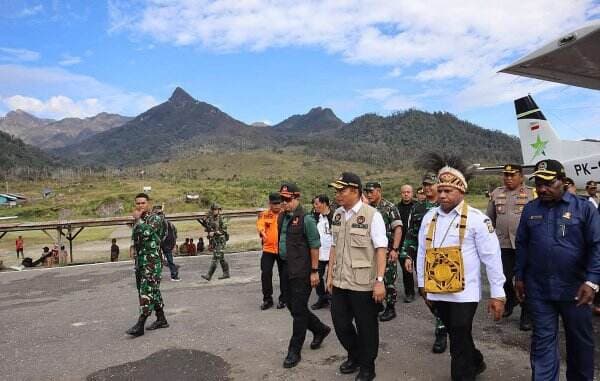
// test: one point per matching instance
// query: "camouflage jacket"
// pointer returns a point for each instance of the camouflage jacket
(148, 233)
(391, 217)
(411, 240)
(214, 224)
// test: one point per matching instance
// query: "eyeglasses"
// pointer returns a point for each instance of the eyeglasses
(286, 199)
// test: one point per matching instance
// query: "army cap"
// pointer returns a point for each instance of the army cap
(347, 179)
(512, 168)
(591, 184)
(548, 170)
(568, 181)
(429, 178)
(371, 185)
(420, 191)
(289, 190)
(215, 206)
(274, 198)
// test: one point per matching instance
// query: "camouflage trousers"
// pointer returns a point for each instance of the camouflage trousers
(148, 274)
(218, 256)
(389, 280)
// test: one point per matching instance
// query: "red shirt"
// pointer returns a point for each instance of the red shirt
(19, 243)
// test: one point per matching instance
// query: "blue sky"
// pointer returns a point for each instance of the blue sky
(262, 60)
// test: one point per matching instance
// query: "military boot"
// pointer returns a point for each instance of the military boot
(388, 314)
(441, 340)
(211, 271)
(161, 321)
(524, 320)
(138, 328)
(225, 267)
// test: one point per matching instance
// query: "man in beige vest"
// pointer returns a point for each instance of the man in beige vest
(357, 262)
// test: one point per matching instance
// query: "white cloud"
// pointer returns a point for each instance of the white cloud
(465, 42)
(18, 55)
(390, 99)
(68, 60)
(31, 11)
(57, 93)
(57, 106)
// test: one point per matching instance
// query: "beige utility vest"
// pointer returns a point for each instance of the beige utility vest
(355, 265)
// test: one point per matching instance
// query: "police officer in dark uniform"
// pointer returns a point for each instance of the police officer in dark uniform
(558, 273)
(504, 209)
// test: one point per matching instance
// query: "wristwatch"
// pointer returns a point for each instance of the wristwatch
(594, 286)
(314, 270)
(379, 279)
(395, 248)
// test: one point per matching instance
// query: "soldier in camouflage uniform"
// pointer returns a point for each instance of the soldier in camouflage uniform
(148, 233)
(411, 244)
(216, 229)
(393, 227)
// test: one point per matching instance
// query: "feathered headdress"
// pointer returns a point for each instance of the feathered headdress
(451, 170)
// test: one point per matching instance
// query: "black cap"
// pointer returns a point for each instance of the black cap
(548, 170)
(215, 206)
(372, 185)
(420, 191)
(274, 198)
(591, 184)
(347, 179)
(512, 168)
(568, 181)
(289, 190)
(429, 178)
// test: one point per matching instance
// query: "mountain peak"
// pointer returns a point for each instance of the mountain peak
(180, 96)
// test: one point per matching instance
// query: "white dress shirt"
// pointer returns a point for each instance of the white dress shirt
(378, 232)
(480, 245)
(325, 235)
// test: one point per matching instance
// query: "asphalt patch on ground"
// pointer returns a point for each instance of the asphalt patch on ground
(169, 364)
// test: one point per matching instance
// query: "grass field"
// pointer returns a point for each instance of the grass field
(235, 180)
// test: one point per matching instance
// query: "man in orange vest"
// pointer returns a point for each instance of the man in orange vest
(266, 225)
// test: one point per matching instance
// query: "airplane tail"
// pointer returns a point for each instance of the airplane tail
(538, 139)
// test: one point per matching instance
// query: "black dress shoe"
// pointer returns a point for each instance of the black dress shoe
(409, 298)
(291, 360)
(441, 342)
(349, 366)
(280, 305)
(365, 375)
(318, 338)
(266, 305)
(321, 303)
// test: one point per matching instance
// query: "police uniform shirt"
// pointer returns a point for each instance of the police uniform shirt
(378, 232)
(505, 208)
(326, 238)
(480, 245)
(558, 247)
(594, 201)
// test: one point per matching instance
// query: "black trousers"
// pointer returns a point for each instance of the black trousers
(321, 292)
(361, 341)
(407, 280)
(298, 293)
(267, 260)
(458, 319)
(509, 258)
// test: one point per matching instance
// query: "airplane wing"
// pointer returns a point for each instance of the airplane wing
(497, 169)
(573, 59)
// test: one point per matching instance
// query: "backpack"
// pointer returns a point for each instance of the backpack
(170, 237)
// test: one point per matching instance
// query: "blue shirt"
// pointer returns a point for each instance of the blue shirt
(558, 247)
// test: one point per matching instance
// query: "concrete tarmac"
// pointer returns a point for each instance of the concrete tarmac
(69, 324)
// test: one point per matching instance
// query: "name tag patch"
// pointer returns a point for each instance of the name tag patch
(536, 217)
(360, 226)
